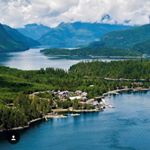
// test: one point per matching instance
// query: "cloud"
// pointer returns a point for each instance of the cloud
(52, 12)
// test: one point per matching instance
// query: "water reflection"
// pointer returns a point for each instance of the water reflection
(32, 59)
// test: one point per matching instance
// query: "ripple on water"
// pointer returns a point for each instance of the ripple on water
(126, 127)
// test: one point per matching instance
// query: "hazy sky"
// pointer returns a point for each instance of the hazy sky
(52, 12)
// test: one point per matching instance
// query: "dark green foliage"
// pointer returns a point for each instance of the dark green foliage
(135, 40)
(21, 111)
(65, 104)
(90, 52)
(143, 47)
(130, 42)
(122, 69)
(17, 107)
(11, 117)
(128, 38)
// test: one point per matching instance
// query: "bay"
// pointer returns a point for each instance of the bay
(32, 59)
(126, 127)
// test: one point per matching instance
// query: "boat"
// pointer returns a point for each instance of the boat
(110, 106)
(73, 115)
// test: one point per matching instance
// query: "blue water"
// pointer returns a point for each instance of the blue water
(126, 127)
(32, 59)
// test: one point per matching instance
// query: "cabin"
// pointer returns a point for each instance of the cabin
(78, 92)
(75, 98)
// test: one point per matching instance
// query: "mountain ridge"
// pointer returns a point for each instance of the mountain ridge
(34, 31)
(12, 40)
(69, 34)
(134, 40)
(77, 34)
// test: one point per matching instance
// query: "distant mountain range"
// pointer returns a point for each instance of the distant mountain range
(101, 39)
(134, 39)
(12, 40)
(130, 42)
(34, 31)
(69, 34)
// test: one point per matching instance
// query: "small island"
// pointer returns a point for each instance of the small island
(92, 53)
(30, 96)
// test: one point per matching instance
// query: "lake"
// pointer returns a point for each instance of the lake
(125, 127)
(32, 59)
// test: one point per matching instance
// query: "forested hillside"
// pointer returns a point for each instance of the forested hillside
(90, 52)
(128, 38)
(17, 108)
(12, 40)
(17, 36)
(131, 42)
(69, 34)
(124, 69)
(7, 42)
(136, 40)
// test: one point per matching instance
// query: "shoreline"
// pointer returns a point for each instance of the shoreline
(24, 127)
(91, 56)
(53, 116)
(118, 91)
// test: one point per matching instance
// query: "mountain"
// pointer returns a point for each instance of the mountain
(34, 31)
(130, 42)
(126, 39)
(69, 34)
(135, 40)
(7, 43)
(17, 36)
(143, 47)
(12, 40)
(77, 34)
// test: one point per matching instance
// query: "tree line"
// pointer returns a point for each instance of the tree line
(17, 108)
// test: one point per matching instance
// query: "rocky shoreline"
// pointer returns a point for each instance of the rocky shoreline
(55, 112)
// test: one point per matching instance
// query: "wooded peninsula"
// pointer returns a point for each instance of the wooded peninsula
(85, 80)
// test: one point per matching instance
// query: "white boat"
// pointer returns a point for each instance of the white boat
(110, 106)
(73, 115)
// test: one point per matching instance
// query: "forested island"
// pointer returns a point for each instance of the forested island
(23, 95)
(92, 52)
